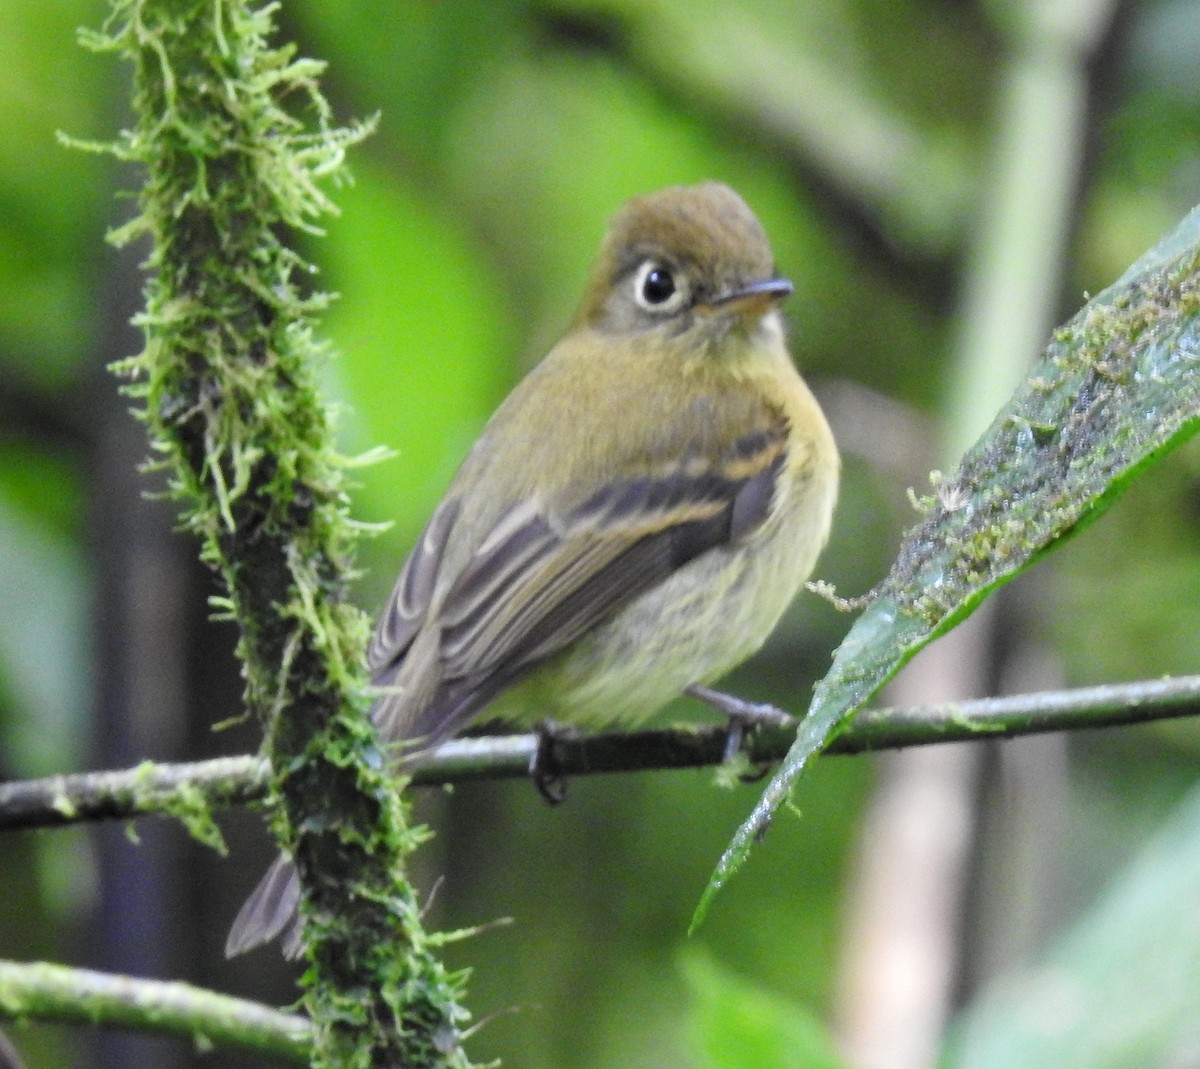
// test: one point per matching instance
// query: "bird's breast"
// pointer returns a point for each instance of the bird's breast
(705, 618)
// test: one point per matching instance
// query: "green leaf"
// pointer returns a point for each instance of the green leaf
(734, 1024)
(1120, 989)
(1118, 387)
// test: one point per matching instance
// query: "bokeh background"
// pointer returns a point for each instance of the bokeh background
(943, 181)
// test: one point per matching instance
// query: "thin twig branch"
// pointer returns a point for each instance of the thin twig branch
(230, 781)
(81, 996)
(118, 795)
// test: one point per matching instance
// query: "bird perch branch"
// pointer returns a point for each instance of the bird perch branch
(231, 781)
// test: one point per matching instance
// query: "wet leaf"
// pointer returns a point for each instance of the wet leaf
(1116, 388)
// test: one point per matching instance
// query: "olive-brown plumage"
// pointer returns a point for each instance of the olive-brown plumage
(635, 516)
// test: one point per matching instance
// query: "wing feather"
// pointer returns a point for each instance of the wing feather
(544, 576)
(412, 595)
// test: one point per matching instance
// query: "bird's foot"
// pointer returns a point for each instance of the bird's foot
(745, 717)
(544, 768)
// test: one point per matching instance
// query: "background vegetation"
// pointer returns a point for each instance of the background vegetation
(942, 182)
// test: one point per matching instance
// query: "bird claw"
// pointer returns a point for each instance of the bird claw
(745, 717)
(544, 769)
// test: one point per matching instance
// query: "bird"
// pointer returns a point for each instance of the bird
(632, 521)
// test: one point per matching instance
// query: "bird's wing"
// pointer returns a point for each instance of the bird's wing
(408, 605)
(542, 576)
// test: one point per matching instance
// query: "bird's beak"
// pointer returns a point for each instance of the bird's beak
(751, 301)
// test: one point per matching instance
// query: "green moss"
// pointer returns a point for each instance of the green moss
(236, 141)
(1112, 389)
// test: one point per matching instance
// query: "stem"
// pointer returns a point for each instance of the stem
(228, 379)
(80, 996)
(230, 781)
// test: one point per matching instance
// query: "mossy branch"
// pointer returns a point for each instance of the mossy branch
(235, 140)
(45, 992)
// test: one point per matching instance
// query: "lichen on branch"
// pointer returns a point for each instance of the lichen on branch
(235, 140)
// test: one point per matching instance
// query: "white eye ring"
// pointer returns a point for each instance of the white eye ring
(657, 288)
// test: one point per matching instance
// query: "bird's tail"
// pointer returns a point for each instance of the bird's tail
(270, 911)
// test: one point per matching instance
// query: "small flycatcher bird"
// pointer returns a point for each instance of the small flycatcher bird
(634, 518)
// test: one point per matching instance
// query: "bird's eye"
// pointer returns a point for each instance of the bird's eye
(656, 288)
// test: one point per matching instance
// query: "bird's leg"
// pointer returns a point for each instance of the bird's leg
(544, 769)
(744, 717)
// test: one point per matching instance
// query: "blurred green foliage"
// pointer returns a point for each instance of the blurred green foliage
(861, 132)
(1118, 989)
(736, 1024)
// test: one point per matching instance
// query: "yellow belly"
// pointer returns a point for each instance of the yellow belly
(692, 628)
